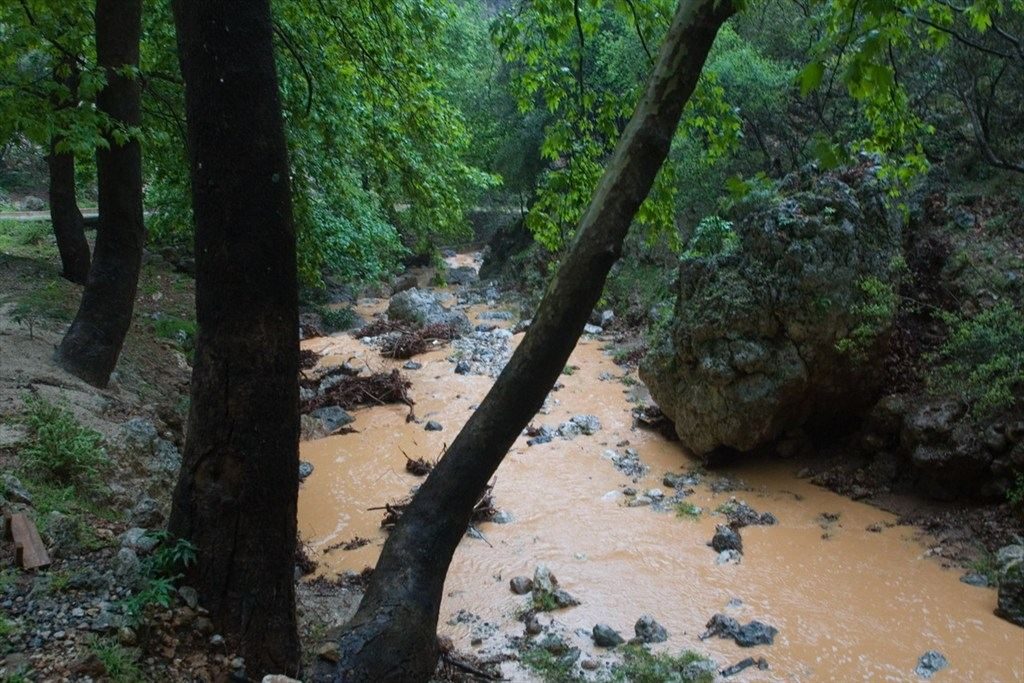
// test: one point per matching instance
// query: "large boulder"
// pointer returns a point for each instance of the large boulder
(422, 307)
(782, 318)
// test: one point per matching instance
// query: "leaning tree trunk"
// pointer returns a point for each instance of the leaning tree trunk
(68, 224)
(393, 634)
(92, 344)
(237, 492)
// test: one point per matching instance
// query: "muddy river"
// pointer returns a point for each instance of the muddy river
(849, 603)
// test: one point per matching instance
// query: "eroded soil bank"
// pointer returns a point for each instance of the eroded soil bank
(854, 595)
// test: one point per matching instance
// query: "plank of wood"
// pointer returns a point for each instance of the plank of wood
(29, 550)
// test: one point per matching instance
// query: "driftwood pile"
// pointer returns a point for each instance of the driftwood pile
(483, 511)
(351, 392)
(410, 340)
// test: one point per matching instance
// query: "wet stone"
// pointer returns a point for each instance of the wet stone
(305, 469)
(521, 585)
(605, 636)
(726, 538)
(930, 663)
(975, 579)
(747, 635)
(412, 365)
(648, 630)
(463, 367)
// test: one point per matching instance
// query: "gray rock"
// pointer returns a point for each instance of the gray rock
(305, 469)
(521, 585)
(463, 367)
(32, 203)
(495, 315)
(729, 557)
(592, 329)
(15, 491)
(463, 275)
(433, 426)
(403, 283)
(412, 365)
(702, 669)
(63, 533)
(1010, 600)
(752, 350)
(605, 636)
(975, 579)
(543, 579)
(649, 631)
(748, 635)
(503, 517)
(726, 538)
(539, 439)
(146, 513)
(189, 596)
(422, 307)
(553, 643)
(930, 663)
(127, 565)
(564, 598)
(139, 540)
(332, 418)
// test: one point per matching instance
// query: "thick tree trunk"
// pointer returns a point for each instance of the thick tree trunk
(392, 636)
(237, 491)
(68, 224)
(92, 344)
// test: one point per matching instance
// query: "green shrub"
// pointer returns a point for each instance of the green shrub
(713, 236)
(337, 319)
(60, 449)
(687, 510)
(158, 574)
(550, 668)
(875, 311)
(639, 665)
(982, 360)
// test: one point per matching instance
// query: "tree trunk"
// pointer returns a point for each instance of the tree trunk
(92, 344)
(68, 224)
(393, 635)
(237, 492)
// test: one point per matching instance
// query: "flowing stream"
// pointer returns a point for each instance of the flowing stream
(849, 603)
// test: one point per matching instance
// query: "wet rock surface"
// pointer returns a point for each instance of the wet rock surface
(1010, 603)
(752, 352)
(746, 635)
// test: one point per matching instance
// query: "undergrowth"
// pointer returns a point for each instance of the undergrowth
(60, 450)
(120, 663)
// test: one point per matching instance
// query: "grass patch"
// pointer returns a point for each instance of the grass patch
(569, 370)
(179, 330)
(642, 666)
(28, 239)
(544, 601)
(60, 449)
(8, 579)
(121, 663)
(687, 510)
(55, 300)
(987, 566)
(550, 668)
(159, 573)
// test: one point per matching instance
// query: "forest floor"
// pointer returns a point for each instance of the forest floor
(101, 611)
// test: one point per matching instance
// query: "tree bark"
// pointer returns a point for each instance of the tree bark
(68, 224)
(92, 344)
(237, 492)
(392, 637)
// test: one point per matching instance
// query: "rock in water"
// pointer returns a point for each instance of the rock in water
(726, 538)
(1010, 605)
(748, 635)
(783, 319)
(423, 308)
(605, 636)
(521, 585)
(930, 663)
(648, 630)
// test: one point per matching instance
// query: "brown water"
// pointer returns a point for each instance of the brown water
(856, 605)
